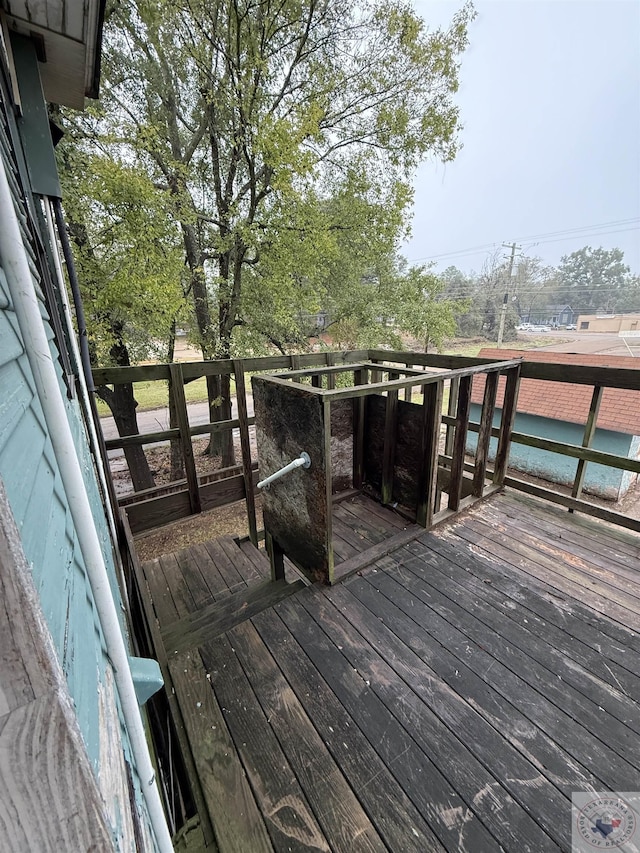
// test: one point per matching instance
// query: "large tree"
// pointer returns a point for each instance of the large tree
(597, 280)
(277, 131)
(130, 261)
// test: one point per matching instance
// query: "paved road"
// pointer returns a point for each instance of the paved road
(156, 420)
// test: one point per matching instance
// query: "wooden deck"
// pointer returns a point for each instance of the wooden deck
(451, 696)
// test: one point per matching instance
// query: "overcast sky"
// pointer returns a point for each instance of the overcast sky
(550, 102)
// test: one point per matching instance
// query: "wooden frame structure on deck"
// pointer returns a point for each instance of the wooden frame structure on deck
(296, 525)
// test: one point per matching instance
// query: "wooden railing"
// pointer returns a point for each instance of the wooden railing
(599, 378)
(161, 504)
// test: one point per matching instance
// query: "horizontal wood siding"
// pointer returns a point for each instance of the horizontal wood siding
(39, 505)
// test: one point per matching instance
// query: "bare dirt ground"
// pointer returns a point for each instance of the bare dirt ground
(227, 520)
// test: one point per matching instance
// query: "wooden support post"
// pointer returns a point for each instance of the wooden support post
(331, 377)
(326, 418)
(276, 557)
(388, 455)
(177, 389)
(376, 375)
(408, 391)
(245, 449)
(589, 432)
(484, 433)
(295, 361)
(509, 406)
(428, 476)
(452, 405)
(459, 443)
(360, 377)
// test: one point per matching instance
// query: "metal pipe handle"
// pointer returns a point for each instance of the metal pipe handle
(303, 461)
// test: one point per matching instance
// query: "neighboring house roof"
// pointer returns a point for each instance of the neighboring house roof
(68, 34)
(566, 401)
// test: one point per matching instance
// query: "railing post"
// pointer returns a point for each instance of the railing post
(459, 443)
(177, 389)
(428, 476)
(388, 453)
(331, 377)
(360, 377)
(509, 405)
(245, 449)
(589, 432)
(484, 433)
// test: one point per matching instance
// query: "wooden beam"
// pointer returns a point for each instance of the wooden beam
(574, 503)
(177, 389)
(276, 557)
(361, 377)
(428, 463)
(331, 377)
(459, 443)
(389, 449)
(328, 473)
(509, 407)
(156, 512)
(589, 432)
(484, 433)
(245, 449)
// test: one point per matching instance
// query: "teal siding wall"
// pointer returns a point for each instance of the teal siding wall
(30, 474)
(599, 480)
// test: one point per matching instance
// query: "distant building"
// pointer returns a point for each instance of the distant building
(560, 315)
(612, 323)
(558, 411)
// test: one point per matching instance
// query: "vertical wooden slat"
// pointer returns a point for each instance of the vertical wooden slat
(428, 476)
(408, 391)
(276, 557)
(388, 454)
(459, 443)
(360, 377)
(177, 389)
(295, 361)
(316, 380)
(484, 433)
(452, 405)
(245, 449)
(506, 424)
(376, 375)
(326, 417)
(589, 432)
(331, 377)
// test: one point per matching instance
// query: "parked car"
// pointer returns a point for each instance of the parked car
(571, 327)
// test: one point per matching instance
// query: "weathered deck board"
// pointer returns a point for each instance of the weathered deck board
(236, 819)
(451, 696)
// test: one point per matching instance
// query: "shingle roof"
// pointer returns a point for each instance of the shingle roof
(619, 408)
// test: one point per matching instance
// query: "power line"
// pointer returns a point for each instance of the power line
(584, 231)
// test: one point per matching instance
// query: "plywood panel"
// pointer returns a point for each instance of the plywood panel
(288, 421)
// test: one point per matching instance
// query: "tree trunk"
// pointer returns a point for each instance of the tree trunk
(123, 408)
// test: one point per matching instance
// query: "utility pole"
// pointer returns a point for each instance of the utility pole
(505, 301)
